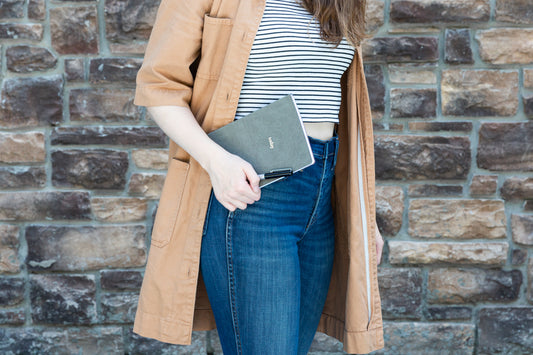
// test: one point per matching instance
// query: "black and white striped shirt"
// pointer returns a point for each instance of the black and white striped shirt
(288, 56)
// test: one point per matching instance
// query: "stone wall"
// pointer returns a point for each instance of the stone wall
(81, 170)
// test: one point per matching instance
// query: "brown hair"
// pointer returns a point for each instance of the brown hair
(338, 19)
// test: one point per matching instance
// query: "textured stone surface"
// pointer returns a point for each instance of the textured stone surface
(121, 136)
(528, 78)
(458, 49)
(27, 147)
(515, 11)
(483, 185)
(483, 253)
(147, 185)
(467, 92)
(112, 70)
(522, 228)
(74, 70)
(103, 105)
(11, 291)
(12, 317)
(376, 88)
(449, 313)
(89, 168)
(402, 157)
(120, 280)
(389, 209)
(63, 299)
(150, 158)
(119, 209)
(505, 146)
(505, 330)
(129, 20)
(13, 177)
(407, 103)
(430, 11)
(80, 248)
(12, 9)
(37, 9)
(506, 45)
(74, 30)
(31, 101)
(40, 205)
(440, 126)
(517, 188)
(27, 59)
(401, 293)
(518, 256)
(458, 285)
(401, 49)
(457, 218)
(530, 281)
(119, 307)
(424, 190)
(428, 338)
(9, 249)
(374, 15)
(24, 31)
(528, 105)
(412, 73)
(141, 345)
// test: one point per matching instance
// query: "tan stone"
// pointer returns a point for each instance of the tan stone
(119, 209)
(483, 185)
(389, 209)
(9, 248)
(127, 48)
(147, 185)
(506, 45)
(150, 158)
(467, 92)
(483, 253)
(374, 15)
(457, 218)
(412, 73)
(528, 78)
(22, 147)
(522, 227)
(530, 280)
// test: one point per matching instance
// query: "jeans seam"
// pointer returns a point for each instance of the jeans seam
(319, 196)
(231, 282)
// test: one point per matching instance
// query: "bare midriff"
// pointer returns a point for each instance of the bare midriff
(319, 130)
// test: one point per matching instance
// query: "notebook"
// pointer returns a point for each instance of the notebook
(270, 138)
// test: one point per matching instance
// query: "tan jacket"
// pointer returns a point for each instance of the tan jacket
(173, 301)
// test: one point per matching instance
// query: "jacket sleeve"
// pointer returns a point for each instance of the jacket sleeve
(165, 77)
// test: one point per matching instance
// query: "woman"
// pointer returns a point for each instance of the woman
(281, 262)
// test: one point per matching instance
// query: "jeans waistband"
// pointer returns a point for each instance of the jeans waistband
(324, 148)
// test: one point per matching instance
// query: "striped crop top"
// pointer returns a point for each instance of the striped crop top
(288, 56)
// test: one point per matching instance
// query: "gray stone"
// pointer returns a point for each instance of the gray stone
(431, 11)
(401, 49)
(113, 70)
(12, 9)
(24, 31)
(27, 59)
(121, 136)
(389, 209)
(120, 280)
(517, 188)
(13, 177)
(37, 9)
(75, 71)
(9, 249)
(458, 49)
(449, 313)
(440, 126)
(104, 105)
(12, 317)
(408, 103)
(483, 185)
(522, 228)
(140, 345)
(505, 330)
(518, 257)
(401, 293)
(74, 29)
(515, 11)
(423, 190)
(11, 291)
(376, 87)
(119, 307)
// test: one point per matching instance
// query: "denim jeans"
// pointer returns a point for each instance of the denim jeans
(267, 268)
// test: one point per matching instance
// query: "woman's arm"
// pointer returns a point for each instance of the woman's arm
(234, 180)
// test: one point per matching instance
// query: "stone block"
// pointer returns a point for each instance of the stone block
(21, 31)
(11, 291)
(75, 71)
(517, 188)
(37, 9)
(376, 87)
(375, 15)
(141, 345)
(150, 158)
(467, 92)
(440, 126)
(457, 218)
(120, 280)
(522, 228)
(458, 49)
(27, 59)
(410, 157)
(12, 9)
(31, 101)
(401, 49)
(505, 146)
(9, 249)
(44, 205)
(449, 313)
(408, 103)
(119, 209)
(114, 70)
(514, 11)
(81, 248)
(483, 185)
(505, 330)
(518, 256)
(389, 209)
(445, 11)
(147, 185)
(119, 307)
(401, 293)
(459, 285)
(425, 190)
(16, 177)
(528, 105)
(27, 147)
(129, 20)
(449, 253)
(12, 317)
(412, 73)
(530, 281)
(506, 45)
(103, 105)
(121, 136)
(63, 299)
(74, 29)
(89, 168)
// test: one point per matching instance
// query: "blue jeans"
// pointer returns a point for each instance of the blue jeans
(267, 268)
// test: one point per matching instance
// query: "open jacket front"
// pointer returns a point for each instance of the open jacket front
(173, 301)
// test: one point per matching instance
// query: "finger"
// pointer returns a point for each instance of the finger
(253, 178)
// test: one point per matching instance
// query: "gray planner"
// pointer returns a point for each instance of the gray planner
(270, 138)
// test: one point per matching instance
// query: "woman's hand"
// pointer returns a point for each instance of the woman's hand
(379, 244)
(234, 180)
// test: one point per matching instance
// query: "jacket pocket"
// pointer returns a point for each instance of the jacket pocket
(215, 38)
(169, 203)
